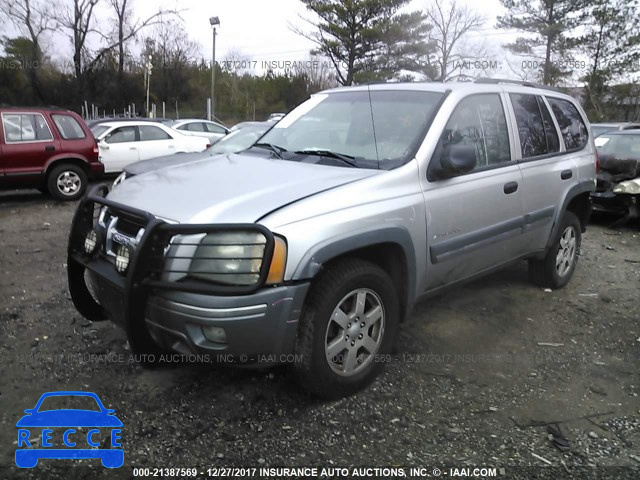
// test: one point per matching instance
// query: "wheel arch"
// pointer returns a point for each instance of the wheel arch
(390, 248)
(66, 159)
(577, 201)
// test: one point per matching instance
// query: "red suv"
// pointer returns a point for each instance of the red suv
(52, 150)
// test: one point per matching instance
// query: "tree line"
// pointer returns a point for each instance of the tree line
(591, 43)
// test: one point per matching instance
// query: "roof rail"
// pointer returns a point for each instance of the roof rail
(524, 83)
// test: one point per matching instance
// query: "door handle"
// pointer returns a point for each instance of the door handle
(566, 174)
(510, 187)
(49, 148)
(132, 148)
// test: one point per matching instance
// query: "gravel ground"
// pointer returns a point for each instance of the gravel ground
(496, 373)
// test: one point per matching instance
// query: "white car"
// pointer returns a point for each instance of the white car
(125, 142)
(200, 128)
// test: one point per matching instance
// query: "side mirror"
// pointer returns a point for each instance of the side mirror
(456, 160)
(103, 144)
(29, 411)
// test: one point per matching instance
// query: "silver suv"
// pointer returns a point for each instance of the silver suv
(314, 244)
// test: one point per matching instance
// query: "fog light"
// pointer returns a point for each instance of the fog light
(122, 258)
(91, 242)
(215, 334)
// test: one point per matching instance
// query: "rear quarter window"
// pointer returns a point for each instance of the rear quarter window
(574, 131)
(68, 127)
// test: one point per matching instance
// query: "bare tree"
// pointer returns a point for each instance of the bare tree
(318, 73)
(32, 18)
(79, 21)
(450, 23)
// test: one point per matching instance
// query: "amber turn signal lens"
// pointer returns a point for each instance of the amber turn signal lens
(278, 262)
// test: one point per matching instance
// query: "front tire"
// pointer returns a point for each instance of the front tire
(67, 182)
(349, 320)
(557, 267)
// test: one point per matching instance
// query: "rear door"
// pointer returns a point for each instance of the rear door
(155, 142)
(548, 171)
(72, 136)
(28, 144)
(474, 220)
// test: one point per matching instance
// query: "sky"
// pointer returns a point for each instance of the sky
(262, 29)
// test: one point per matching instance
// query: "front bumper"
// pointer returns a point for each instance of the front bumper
(610, 202)
(257, 320)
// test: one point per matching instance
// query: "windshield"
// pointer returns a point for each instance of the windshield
(238, 140)
(619, 146)
(69, 402)
(379, 128)
(598, 130)
(98, 130)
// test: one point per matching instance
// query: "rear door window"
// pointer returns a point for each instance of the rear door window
(68, 127)
(538, 134)
(213, 128)
(25, 127)
(151, 133)
(574, 131)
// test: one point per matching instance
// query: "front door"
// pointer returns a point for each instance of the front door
(474, 220)
(121, 148)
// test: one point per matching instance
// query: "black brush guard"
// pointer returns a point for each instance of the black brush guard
(147, 263)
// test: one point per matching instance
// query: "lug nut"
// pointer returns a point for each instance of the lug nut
(347, 338)
(349, 326)
(353, 344)
(360, 337)
(362, 325)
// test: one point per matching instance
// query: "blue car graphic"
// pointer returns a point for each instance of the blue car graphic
(100, 422)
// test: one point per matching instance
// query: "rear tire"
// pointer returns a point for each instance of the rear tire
(557, 267)
(67, 182)
(348, 324)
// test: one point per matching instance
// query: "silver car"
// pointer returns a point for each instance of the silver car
(311, 247)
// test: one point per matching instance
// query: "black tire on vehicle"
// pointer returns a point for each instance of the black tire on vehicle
(67, 182)
(336, 358)
(557, 267)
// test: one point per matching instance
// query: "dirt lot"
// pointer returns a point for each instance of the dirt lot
(472, 382)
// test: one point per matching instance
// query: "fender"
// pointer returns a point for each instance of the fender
(65, 156)
(585, 186)
(323, 252)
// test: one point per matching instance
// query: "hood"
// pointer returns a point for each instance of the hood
(145, 166)
(235, 188)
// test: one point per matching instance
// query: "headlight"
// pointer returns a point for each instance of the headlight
(232, 258)
(236, 258)
(119, 179)
(630, 187)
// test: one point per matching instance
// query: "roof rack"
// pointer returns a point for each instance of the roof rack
(496, 81)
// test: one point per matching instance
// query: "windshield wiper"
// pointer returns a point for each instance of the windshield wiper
(348, 159)
(274, 148)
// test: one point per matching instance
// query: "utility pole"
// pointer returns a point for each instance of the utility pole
(214, 21)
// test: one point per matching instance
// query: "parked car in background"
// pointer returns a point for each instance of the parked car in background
(98, 121)
(618, 189)
(232, 143)
(317, 241)
(200, 128)
(241, 125)
(52, 150)
(598, 129)
(122, 143)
